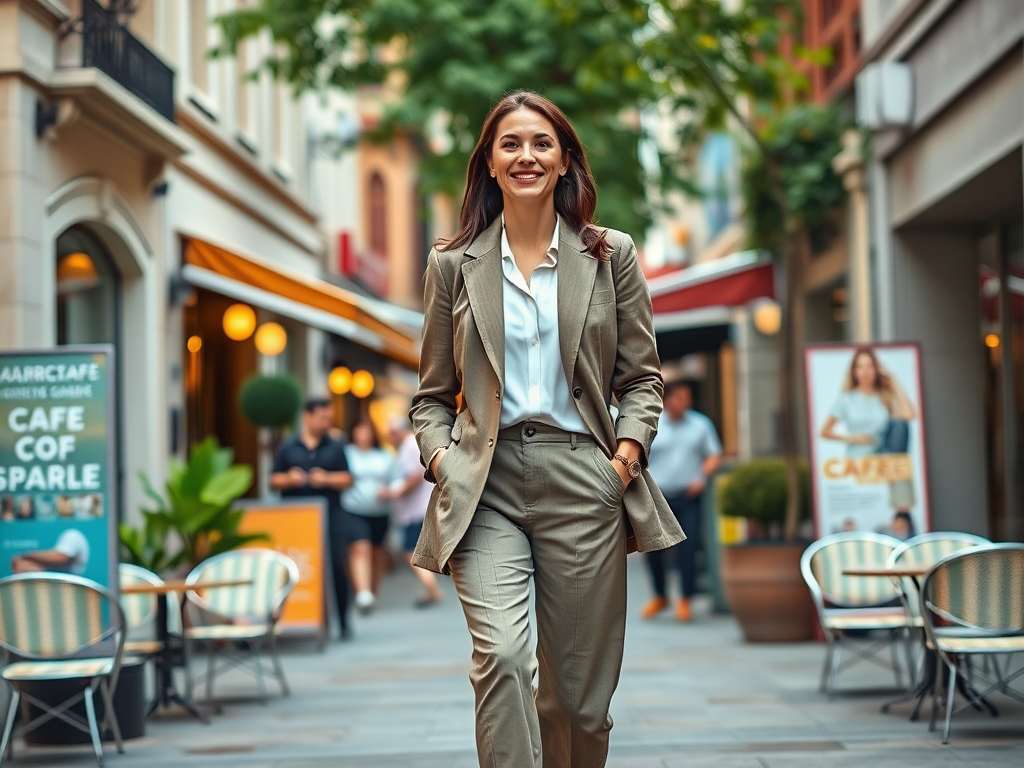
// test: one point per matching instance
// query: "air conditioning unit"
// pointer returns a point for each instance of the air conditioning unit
(885, 95)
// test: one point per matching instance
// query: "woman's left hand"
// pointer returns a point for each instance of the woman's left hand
(622, 471)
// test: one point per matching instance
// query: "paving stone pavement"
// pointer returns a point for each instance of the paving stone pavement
(397, 696)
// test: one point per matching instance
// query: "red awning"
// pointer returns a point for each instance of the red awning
(732, 281)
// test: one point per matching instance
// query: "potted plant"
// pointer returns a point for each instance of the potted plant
(197, 518)
(761, 577)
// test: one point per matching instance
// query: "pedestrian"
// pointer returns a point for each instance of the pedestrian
(683, 456)
(368, 507)
(310, 463)
(534, 318)
(410, 494)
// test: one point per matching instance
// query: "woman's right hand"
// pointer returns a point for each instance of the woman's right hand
(436, 461)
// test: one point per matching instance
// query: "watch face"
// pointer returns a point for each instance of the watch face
(634, 470)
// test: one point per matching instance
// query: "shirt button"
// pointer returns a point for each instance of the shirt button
(533, 341)
(577, 393)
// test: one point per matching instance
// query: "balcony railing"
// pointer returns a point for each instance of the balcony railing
(112, 49)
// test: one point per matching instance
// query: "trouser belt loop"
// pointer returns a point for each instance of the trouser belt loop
(572, 441)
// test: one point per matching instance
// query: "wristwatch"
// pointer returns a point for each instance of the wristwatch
(633, 467)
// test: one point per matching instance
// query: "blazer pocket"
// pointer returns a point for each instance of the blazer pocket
(604, 296)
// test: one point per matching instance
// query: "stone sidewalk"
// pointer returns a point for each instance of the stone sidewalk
(690, 696)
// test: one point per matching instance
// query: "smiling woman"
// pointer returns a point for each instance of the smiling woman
(534, 318)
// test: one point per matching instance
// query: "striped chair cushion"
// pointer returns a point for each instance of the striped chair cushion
(267, 575)
(830, 561)
(982, 589)
(49, 618)
(139, 610)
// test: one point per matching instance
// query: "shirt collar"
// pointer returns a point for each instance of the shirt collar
(550, 260)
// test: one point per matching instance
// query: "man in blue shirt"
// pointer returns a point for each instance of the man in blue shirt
(684, 455)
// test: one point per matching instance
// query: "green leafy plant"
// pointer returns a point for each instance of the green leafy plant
(270, 401)
(197, 518)
(758, 491)
(804, 139)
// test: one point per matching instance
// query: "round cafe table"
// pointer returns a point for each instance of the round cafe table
(172, 646)
(929, 676)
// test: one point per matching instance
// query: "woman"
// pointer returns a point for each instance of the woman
(871, 404)
(366, 502)
(536, 318)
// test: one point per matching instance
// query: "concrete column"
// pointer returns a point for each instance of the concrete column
(936, 289)
(849, 164)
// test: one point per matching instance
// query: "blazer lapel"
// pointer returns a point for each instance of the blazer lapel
(483, 278)
(577, 272)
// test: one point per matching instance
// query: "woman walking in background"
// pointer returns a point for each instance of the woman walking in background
(537, 318)
(410, 494)
(368, 508)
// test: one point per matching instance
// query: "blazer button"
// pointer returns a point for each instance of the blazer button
(490, 442)
(577, 393)
(498, 394)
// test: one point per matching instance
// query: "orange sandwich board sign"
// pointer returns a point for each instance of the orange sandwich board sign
(298, 529)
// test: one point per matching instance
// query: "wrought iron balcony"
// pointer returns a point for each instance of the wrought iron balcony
(106, 45)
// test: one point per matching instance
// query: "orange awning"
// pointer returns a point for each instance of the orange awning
(301, 297)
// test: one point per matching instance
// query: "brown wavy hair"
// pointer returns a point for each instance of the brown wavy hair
(884, 384)
(575, 192)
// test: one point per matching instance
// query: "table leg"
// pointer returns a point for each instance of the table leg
(171, 655)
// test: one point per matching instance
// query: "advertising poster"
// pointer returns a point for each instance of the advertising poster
(865, 413)
(57, 432)
(298, 529)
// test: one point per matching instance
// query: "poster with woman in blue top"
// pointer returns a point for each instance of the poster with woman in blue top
(867, 439)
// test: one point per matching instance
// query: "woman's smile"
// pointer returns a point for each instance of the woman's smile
(526, 158)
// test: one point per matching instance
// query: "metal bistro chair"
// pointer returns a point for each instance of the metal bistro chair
(54, 623)
(850, 605)
(241, 618)
(972, 603)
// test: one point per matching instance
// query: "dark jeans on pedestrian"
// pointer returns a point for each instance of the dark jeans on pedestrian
(338, 533)
(682, 556)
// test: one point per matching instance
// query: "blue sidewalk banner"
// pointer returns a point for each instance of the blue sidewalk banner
(57, 433)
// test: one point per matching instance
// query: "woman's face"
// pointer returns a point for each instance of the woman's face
(362, 436)
(525, 157)
(864, 371)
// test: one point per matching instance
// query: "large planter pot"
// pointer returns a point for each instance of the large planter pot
(766, 592)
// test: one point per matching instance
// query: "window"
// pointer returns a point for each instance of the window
(87, 291)
(378, 205)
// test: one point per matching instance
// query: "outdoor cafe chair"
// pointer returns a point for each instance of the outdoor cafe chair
(140, 611)
(925, 550)
(851, 608)
(61, 627)
(240, 621)
(972, 604)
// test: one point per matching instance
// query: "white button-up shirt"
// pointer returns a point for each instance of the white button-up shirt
(535, 385)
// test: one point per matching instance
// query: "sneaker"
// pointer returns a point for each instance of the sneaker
(683, 612)
(654, 606)
(365, 601)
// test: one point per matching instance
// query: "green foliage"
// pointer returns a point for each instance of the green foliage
(198, 515)
(803, 140)
(270, 401)
(757, 490)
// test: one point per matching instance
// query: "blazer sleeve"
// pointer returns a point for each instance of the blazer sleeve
(434, 408)
(636, 380)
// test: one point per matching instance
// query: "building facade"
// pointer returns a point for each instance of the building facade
(945, 105)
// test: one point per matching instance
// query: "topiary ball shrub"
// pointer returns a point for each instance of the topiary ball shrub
(757, 490)
(270, 401)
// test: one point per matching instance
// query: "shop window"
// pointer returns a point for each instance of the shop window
(87, 291)
(378, 215)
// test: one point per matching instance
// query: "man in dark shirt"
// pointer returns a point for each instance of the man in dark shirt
(310, 463)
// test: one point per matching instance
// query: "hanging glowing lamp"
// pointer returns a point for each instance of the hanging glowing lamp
(76, 272)
(992, 341)
(767, 317)
(239, 322)
(194, 344)
(339, 381)
(362, 383)
(271, 339)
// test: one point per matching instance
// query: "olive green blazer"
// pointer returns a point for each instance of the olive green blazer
(606, 336)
